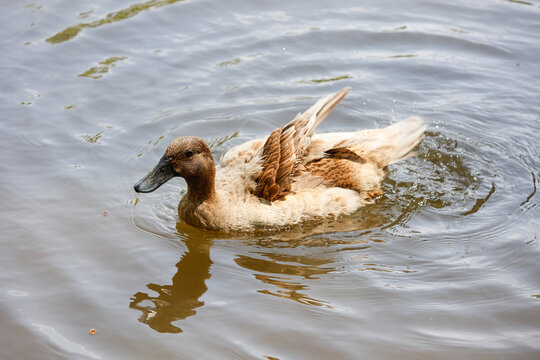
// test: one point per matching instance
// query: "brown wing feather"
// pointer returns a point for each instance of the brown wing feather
(285, 146)
(345, 153)
(266, 181)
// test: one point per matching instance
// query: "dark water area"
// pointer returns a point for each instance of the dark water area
(445, 265)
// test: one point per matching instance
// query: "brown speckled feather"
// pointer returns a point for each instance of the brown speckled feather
(345, 153)
(285, 147)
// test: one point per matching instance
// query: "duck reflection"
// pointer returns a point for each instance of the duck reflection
(284, 262)
(179, 300)
(290, 260)
(281, 273)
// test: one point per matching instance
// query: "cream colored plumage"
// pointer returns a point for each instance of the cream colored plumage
(287, 178)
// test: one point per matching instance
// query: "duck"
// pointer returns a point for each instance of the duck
(289, 177)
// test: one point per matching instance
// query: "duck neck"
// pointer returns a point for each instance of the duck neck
(201, 188)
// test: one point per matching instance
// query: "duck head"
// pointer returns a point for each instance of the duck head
(188, 157)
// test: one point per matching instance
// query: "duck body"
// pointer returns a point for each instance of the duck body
(287, 178)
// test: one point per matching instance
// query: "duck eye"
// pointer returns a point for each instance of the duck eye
(188, 153)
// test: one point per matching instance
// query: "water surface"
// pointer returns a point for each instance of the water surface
(444, 265)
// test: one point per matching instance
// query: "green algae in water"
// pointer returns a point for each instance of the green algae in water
(102, 68)
(217, 142)
(123, 14)
(325, 80)
(93, 139)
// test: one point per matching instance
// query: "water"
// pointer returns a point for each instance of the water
(444, 265)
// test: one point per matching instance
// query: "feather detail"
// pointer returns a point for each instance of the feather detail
(285, 147)
(344, 153)
(356, 160)
(391, 144)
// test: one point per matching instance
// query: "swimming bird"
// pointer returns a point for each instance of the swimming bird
(286, 178)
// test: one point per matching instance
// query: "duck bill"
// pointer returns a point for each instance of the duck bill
(162, 173)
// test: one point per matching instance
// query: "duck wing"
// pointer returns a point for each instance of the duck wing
(286, 146)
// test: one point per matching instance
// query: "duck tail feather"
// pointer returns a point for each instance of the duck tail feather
(404, 136)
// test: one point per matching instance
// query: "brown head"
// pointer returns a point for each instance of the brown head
(188, 157)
